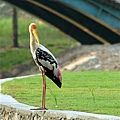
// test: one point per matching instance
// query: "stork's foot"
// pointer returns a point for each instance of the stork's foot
(39, 109)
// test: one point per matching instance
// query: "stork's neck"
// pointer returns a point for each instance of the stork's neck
(33, 44)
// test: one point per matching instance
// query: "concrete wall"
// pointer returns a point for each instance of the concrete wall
(9, 113)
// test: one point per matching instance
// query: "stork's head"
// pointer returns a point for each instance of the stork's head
(33, 32)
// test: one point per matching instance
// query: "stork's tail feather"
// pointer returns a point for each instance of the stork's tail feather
(55, 79)
(57, 82)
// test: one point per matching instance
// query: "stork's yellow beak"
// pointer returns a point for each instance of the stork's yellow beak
(36, 36)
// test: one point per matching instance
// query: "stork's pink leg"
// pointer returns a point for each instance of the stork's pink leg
(44, 88)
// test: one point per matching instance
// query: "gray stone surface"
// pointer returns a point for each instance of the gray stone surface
(9, 113)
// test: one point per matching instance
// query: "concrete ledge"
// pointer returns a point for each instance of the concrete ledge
(9, 113)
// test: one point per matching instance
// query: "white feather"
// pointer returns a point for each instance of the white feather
(45, 49)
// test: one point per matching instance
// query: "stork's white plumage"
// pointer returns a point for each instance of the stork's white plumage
(45, 60)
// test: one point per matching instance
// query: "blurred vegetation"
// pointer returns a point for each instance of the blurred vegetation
(50, 37)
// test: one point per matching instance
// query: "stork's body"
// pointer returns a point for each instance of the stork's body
(45, 61)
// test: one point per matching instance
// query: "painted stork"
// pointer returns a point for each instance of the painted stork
(45, 60)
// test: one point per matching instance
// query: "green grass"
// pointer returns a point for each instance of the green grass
(50, 37)
(47, 34)
(10, 58)
(93, 91)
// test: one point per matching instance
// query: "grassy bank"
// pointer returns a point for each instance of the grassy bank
(93, 91)
(50, 37)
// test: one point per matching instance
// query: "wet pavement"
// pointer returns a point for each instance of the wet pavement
(10, 101)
